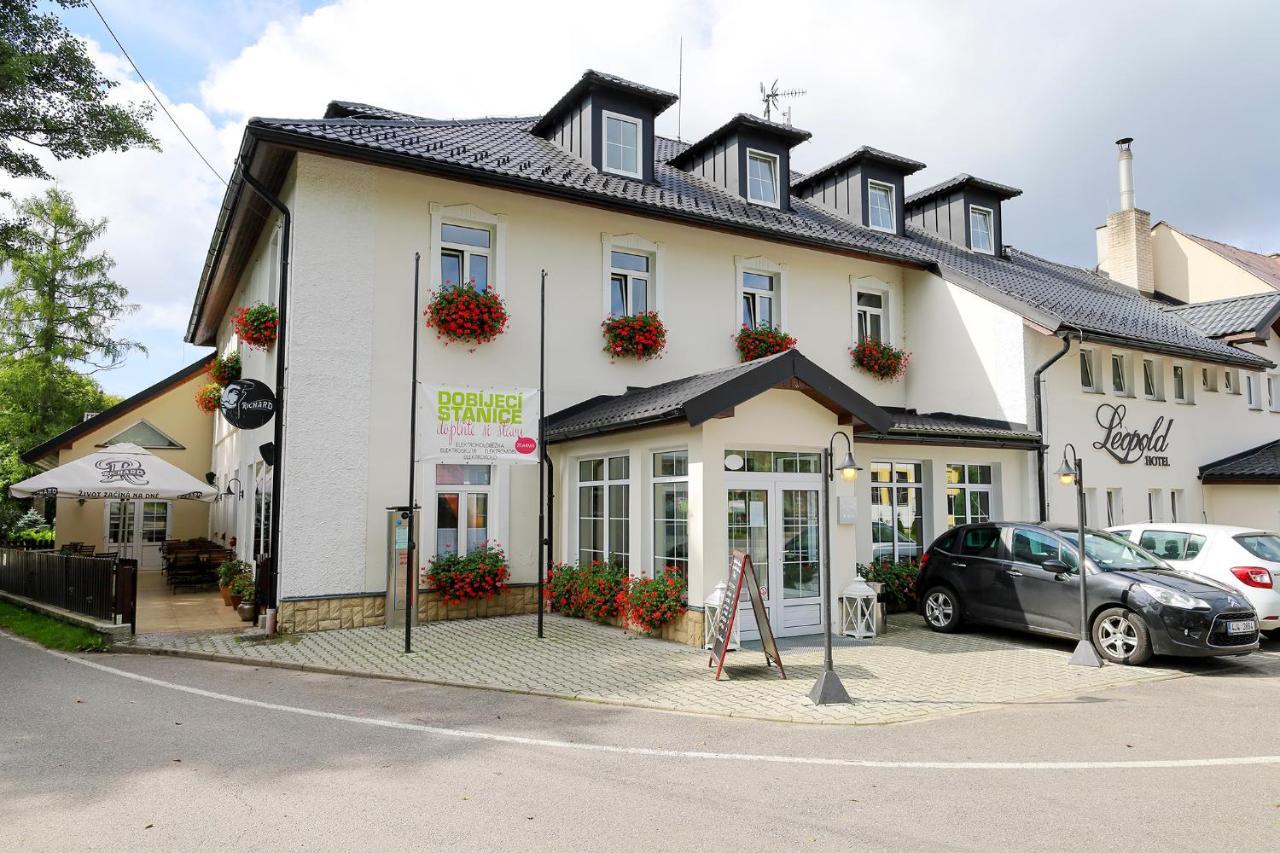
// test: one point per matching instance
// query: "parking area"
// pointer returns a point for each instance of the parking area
(908, 674)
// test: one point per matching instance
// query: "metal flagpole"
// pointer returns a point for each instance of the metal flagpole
(411, 567)
(542, 435)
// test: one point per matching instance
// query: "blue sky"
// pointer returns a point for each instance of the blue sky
(1031, 94)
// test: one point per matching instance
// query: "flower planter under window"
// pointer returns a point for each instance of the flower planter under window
(761, 341)
(257, 325)
(464, 314)
(883, 361)
(639, 336)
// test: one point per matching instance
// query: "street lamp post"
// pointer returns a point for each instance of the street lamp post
(1072, 471)
(828, 689)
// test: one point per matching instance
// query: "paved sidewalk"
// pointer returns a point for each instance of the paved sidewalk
(910, 673)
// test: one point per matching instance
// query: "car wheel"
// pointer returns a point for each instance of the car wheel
(1121, 636)
(942, 610)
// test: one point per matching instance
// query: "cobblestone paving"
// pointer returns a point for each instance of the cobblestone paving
(907, 674)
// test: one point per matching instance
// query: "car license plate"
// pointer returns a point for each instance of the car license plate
(1245, 626)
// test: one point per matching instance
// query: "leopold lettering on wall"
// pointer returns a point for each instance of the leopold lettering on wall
(1128, 446)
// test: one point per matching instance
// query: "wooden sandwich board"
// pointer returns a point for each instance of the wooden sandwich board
(741, 573)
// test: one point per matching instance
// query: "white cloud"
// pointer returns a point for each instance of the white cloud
(1030, 94)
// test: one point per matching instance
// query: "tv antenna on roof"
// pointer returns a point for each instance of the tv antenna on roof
(771, 96)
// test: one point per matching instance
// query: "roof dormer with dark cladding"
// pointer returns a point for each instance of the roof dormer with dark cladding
(952, 208)
(843, 187)
(577, 122)
(723, 156)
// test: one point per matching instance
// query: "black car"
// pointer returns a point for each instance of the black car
(1026, 576)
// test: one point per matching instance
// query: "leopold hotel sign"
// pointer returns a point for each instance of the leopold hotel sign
(1127, 446)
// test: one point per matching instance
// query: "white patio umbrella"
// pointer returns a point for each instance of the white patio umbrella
(121, 472)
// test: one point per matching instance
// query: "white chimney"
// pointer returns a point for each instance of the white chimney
(1124, 243)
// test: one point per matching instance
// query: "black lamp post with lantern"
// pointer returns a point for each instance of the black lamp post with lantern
(1072, 472)
(828, 689)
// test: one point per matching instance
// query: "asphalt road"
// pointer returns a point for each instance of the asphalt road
(246, 758)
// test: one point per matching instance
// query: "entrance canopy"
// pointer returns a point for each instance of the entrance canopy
(696, 399)
(119, 472)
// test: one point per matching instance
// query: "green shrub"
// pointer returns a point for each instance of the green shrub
(242, 586)
(592, 591)
(229, 570)
(899, 581)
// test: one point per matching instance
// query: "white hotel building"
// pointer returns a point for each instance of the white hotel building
(674, 461)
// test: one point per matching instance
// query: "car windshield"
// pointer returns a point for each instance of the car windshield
(1264, 546)
(1110, 553)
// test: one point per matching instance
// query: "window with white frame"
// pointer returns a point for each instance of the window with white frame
(1088, 370)
(262, 486)
(982, 229)
(968, 494)
(671, 511)
(604, 510)
(623, 145)
(897, 511)
(1208, 379)
(1175, 505)
(1155, 500)
(873, 316)
(1119, 373)
(630, 278)
(1273, 393)
(759, 299)
(1151, 379)
(880, 206)
(762, 177)
(463, 495)
(1230, 381)
(1252, 391)
(1181, 388)
(1115, 507)
(465, 255)
(155, 522)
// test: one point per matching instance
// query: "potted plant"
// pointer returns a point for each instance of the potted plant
(257, 325)
(882, 360)
(482, 573)
(209, 398)
(466, 315)
(761, 341)
(639, 336)
(242, 595)
(228, 571)
(225, 368)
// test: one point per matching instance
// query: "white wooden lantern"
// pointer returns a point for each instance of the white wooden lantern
(858, 610)
(711, 611)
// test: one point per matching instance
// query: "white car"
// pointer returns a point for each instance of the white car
(1245, 559)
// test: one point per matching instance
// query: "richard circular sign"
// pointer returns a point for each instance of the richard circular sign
(248, 403)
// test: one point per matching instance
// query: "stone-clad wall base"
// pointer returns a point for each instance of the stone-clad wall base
(512, 601)
(686, 629)
(326, 614)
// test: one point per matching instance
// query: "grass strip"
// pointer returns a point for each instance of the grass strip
(50, 632)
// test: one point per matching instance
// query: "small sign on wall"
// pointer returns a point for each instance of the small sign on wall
(846, 509)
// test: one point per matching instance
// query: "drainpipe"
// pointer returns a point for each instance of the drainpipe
(282, 330)
(1039, 412)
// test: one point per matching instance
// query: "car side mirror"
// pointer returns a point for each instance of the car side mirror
(1058, 567)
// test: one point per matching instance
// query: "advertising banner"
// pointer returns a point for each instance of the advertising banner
(479, 426)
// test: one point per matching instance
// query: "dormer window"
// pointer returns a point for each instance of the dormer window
(622, 145)
(762, 178)
(880, 206)
(981, 230)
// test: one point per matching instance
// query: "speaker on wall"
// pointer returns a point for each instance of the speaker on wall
(268, 452)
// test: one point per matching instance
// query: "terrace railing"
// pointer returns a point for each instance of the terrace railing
(100, 587)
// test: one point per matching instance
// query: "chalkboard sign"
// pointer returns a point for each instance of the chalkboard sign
(741, 573)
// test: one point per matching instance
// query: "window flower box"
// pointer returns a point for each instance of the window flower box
(225, 368)
(761, 341)
(464, 314)
(639, 336)
(257, 325)
(883, 361)
(209, 398)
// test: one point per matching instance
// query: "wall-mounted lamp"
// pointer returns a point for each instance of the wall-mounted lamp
(237, 493)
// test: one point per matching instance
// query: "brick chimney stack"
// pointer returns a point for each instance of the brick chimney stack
(1124, 243)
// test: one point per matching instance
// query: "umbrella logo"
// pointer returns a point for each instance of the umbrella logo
(122, 470)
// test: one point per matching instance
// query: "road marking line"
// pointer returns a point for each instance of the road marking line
(520, 740)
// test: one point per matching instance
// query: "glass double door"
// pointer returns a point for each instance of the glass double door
(777, 520)
(137, 530)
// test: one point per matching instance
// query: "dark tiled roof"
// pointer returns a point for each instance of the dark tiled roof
(792, 135)
(1001, 190)
(504, 151)
(705, 395)
(355, 109)
(1234, 316)
(1259, 465)
(962, 428)
(1263, 267)
(904, 164)
(598, 79)
(64, 439)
